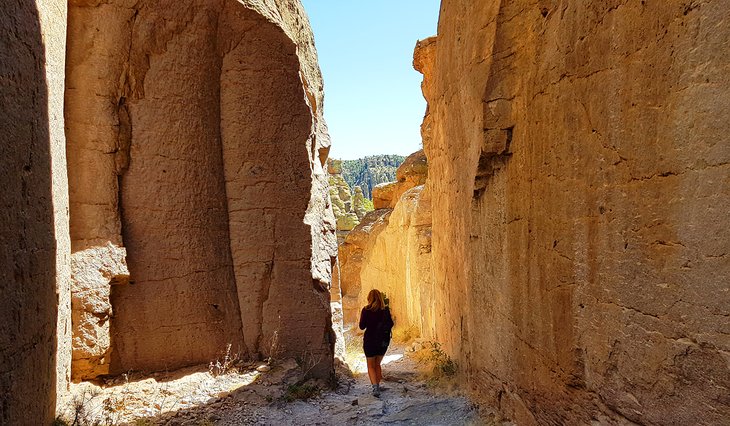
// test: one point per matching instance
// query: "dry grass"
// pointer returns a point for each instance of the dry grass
(227, 364)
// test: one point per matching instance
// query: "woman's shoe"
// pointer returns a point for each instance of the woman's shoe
(376, 390)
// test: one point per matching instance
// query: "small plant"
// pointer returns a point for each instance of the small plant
(83, 410)
(59, 421)
(224, 366)
(300, 391)
(274, 346)
(275, 349)
(442, 364)
(307, 361)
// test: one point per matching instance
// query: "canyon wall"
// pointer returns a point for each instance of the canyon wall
(578, 168)
(196, 209)
(34, 265)
(391, 251)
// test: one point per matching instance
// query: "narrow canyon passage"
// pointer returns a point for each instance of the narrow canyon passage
(178, 247)
(271, 394)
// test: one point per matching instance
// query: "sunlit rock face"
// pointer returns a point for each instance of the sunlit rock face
(413, 172)
(578, 162)
(348, 204)
(391, 251)
(199, 201)
(342, 204)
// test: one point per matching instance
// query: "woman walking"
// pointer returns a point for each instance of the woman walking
(375, 319)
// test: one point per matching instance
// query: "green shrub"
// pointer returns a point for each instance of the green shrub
(300, 391)
(441, 364)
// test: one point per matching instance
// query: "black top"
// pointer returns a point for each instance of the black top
(377, 324)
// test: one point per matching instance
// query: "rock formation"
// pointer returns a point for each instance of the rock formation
(221, 217)
(391, 250)
(341, 198)
(588, 279)
(196, 188)
(411, 173)
(34, 265)
(348, 208)
(370, 171)
(568, 247)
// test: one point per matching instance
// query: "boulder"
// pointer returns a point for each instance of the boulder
(413, 172)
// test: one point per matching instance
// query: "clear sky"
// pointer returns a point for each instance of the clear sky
(373, 102)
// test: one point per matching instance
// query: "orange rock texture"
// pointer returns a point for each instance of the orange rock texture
(578, 169)
(198, 197)
(35, 245)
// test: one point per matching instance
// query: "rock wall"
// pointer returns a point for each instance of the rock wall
(34, 266)
(391, 251)
(196, 210)
(588, 281)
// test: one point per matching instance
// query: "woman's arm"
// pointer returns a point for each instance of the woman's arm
(363, 322)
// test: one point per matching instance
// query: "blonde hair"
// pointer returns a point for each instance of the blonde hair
(375, 301)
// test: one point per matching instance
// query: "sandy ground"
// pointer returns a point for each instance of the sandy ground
(277, 396)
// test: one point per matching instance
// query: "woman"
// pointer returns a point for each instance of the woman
(375, 319)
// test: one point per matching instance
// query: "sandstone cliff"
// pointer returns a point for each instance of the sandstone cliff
(391, 251)
(195, 184)
(191, 225)
(588, 279)
(348, 208)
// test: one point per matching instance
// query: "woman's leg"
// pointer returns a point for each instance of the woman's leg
(378, 370)
(373, 367)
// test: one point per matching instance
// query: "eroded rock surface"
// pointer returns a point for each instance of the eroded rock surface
(197, 143)
(341, 198)
(93, 272)
(391, 251)
(411, 173)
(589, 278)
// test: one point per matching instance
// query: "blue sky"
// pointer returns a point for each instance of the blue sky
(373, 102)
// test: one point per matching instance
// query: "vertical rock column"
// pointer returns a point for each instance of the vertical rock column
(268, 167)
(98, 138)
(181, 307)
(33, 213)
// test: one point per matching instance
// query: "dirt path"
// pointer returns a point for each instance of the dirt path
(405, 400)
(276, 397)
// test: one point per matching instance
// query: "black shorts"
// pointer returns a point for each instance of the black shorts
(375, 348)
